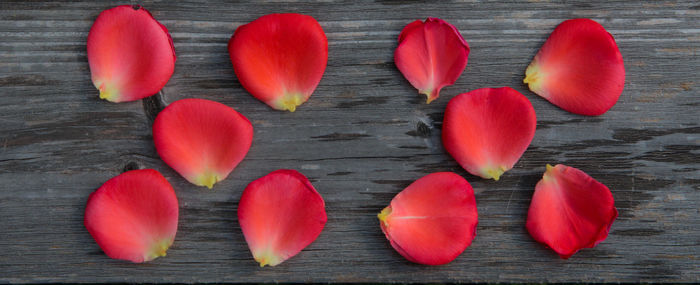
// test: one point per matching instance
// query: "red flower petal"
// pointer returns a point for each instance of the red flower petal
(433, 220)
(431, 55)
(579, 68)
(280, 58)
(131, 55)
(280, 214)
(570, 210)
(133, 216)
(202, 140)
(487, 130)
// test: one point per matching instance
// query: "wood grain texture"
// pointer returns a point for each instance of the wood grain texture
(364, 135)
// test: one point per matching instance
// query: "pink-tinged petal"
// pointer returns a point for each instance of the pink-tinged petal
(431, 55)
(570, 210)
(202, 140)
(131, 55)
(280, 58)
(487, 130)
(433, 220)
(579, 68)
(280, 214)
(133, 216)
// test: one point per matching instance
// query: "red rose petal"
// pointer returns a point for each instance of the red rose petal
(280, 214)
(431, 55)
(131, 54)
(579, 68)
(570, 210)
(433, 220)
(133, 216)
(280, 58)
(202, 140)
(487, 130)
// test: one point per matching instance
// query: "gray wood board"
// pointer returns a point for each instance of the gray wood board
(364, 135)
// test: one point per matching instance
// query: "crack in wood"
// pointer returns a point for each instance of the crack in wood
(341, 137)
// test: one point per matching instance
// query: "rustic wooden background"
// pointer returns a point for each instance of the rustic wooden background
(364, 135)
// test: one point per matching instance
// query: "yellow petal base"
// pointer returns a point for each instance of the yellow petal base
(384, 215)
(107, 93)
(493, 172)
(158, 250)
(289, 102)
(429, 93)
(207, 179)
(266, 257)
(548, 173)
(533, 77)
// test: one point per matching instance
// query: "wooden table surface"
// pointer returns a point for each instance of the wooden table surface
(364, 135)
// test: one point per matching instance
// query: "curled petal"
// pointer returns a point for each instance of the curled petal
(579, 68)
(431, 55)
(131, 55)
(280, 214)
(133, 216)
(280, 58)
(487, 130)
(202, 140)
(570, 210)
(433, 220)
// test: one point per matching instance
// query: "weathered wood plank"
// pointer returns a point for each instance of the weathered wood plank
(364, 135)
